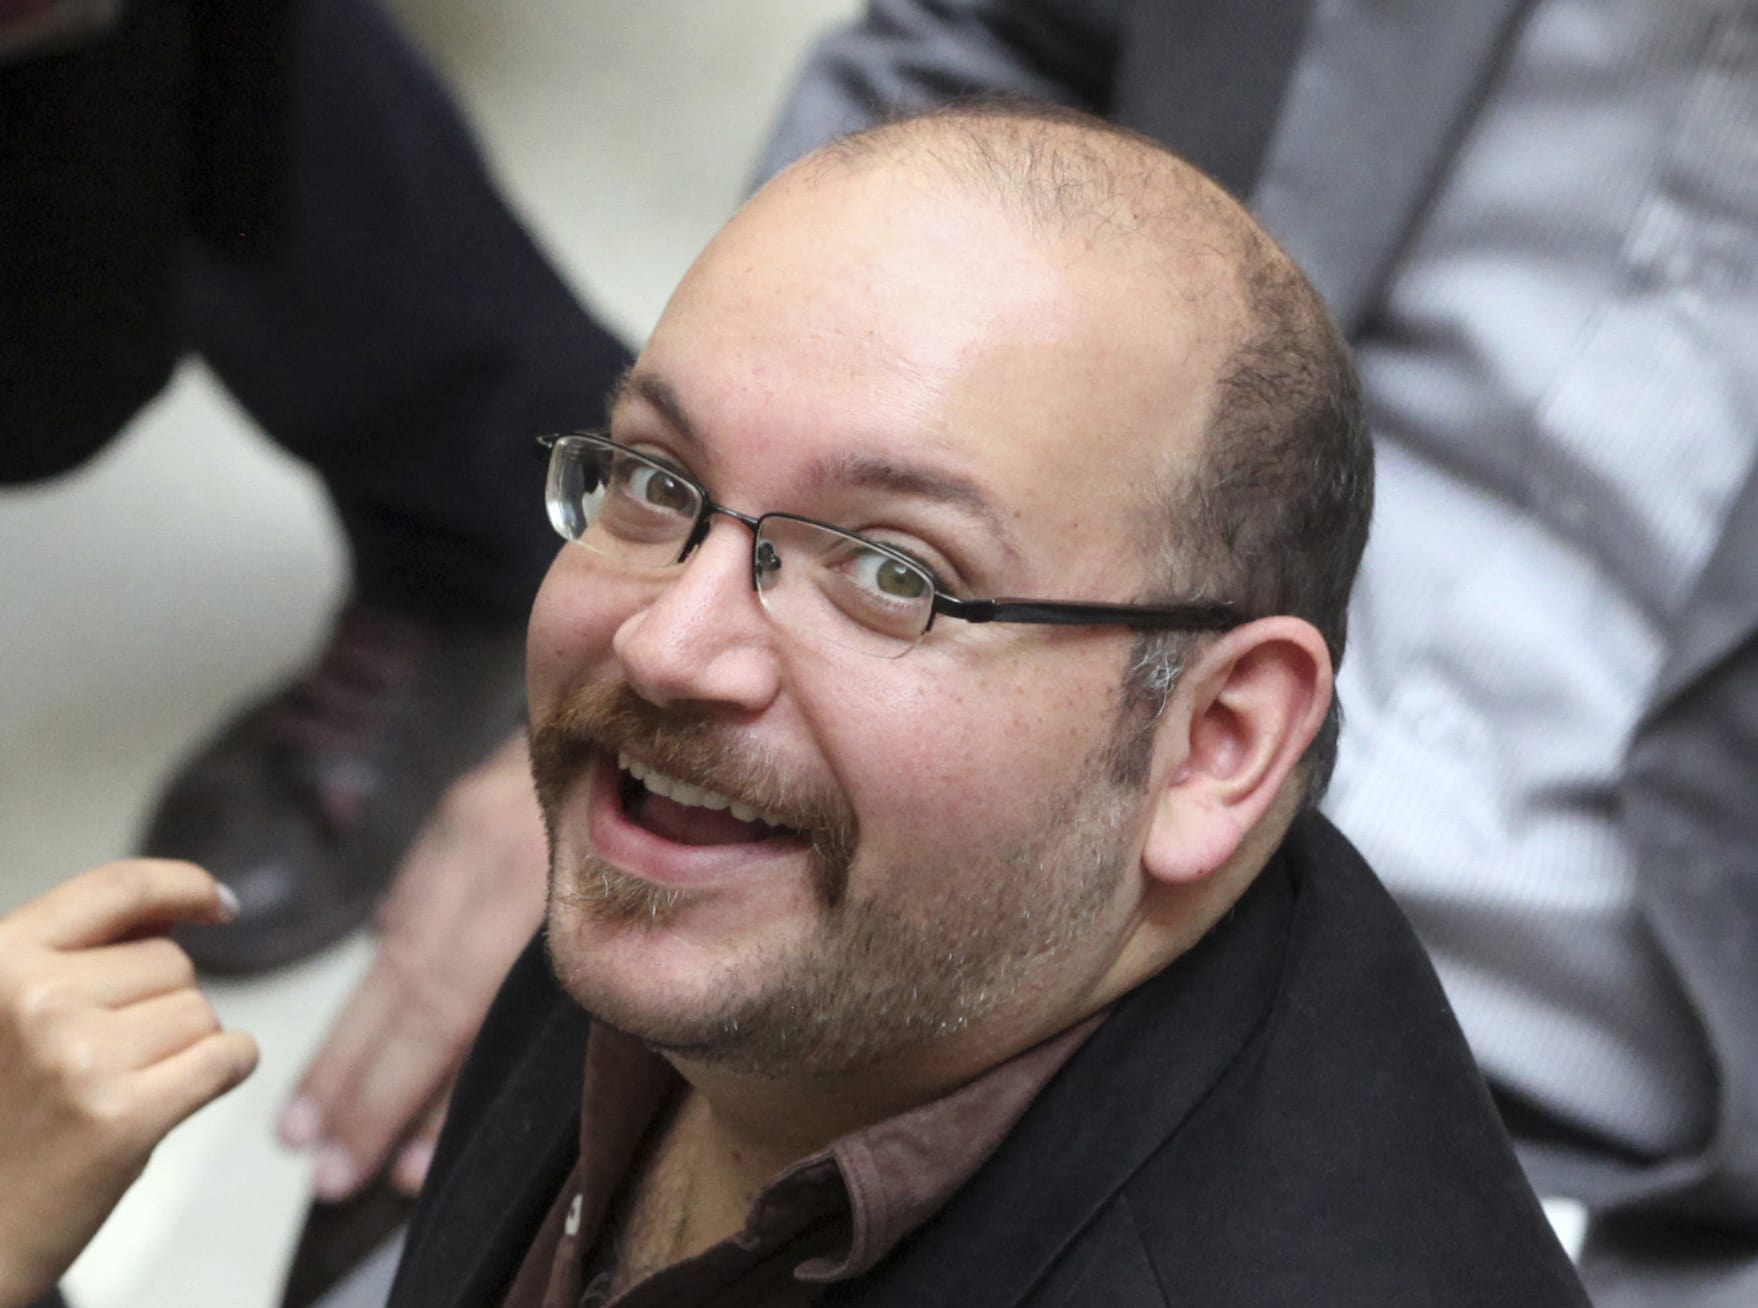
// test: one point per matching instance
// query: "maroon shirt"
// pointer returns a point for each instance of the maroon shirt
(829, 1217)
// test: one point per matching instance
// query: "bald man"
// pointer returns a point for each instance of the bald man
(927, 713)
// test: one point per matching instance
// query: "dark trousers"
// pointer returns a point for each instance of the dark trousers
(390, 323)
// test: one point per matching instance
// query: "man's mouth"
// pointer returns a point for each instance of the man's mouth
(690, 814)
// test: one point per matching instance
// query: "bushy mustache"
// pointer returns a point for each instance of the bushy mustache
(695, 747)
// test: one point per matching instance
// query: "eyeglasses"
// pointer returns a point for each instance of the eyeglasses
(812, 577)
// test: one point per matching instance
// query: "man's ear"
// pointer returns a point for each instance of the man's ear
(1240, 720)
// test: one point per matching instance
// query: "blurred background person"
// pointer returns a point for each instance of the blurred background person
(284, 186)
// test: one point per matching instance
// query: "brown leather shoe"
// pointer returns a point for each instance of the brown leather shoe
(305, 803)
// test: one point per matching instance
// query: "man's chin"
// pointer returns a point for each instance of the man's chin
(685, 993)
(626, 948)
(594, 936)
(624, 978)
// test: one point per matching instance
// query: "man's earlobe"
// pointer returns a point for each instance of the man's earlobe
(1251, 704)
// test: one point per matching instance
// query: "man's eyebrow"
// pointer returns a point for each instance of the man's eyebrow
(658, 393)
(849, 469)
(866, 470)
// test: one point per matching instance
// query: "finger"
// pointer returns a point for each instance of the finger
(154, 1029)
(431, 847)
(409, 1172)
(411, 1064)
(112, 976)
(123, 898)
(330, 1077)
(173, 1088)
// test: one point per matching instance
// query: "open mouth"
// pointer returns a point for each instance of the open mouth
(690, 814)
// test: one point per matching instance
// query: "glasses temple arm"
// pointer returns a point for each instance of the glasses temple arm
(1208, 616)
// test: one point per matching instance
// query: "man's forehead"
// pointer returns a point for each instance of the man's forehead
(879, 465)
(854, 252)
(862, 305)
(873, 229)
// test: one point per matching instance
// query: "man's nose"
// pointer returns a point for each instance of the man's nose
(704, 637)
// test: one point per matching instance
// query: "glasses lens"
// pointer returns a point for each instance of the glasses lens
(837, 587)
(619, 504)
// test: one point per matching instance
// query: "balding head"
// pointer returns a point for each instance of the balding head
(1270, 510)
(1061, 172)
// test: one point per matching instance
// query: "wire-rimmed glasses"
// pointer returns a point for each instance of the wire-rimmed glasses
(812, 577)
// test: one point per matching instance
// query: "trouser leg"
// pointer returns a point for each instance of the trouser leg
(402, 334)
(93, 153)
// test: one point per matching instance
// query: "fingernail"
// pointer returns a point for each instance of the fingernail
(229, 905)
(334, 1175)
(301, 1124)
(412, 1165)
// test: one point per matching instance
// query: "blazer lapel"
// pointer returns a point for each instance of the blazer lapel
(1378, 102)
(496, 1192)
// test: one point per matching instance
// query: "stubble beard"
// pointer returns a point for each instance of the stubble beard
(877, 977)
(882, 978)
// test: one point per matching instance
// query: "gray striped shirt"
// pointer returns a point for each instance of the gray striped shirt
(1565, 392)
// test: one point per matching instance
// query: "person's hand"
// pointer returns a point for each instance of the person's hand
(466, 900)
(105, 1045)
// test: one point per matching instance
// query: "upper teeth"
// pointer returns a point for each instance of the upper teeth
(682, 792)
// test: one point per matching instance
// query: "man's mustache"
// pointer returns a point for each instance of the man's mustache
(692, 746)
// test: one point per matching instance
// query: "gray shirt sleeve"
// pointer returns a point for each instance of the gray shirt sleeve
(904, 54)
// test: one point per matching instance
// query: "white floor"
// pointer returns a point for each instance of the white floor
(192, 563)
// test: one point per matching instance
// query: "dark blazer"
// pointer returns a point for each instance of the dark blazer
(1337, 120)
(1287, 1115)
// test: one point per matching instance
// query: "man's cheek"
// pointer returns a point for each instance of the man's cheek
(938, 786)
(543, 658)
(567, 633)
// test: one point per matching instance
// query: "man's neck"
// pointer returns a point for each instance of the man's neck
(693, 1191)
(768, 1123)
(755, 1124)
(731, 1135)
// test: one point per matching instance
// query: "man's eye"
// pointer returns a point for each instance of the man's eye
(889, 577)
(658, 488)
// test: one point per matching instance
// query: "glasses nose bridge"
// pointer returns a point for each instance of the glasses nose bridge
(710, 508)
(705, 522)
